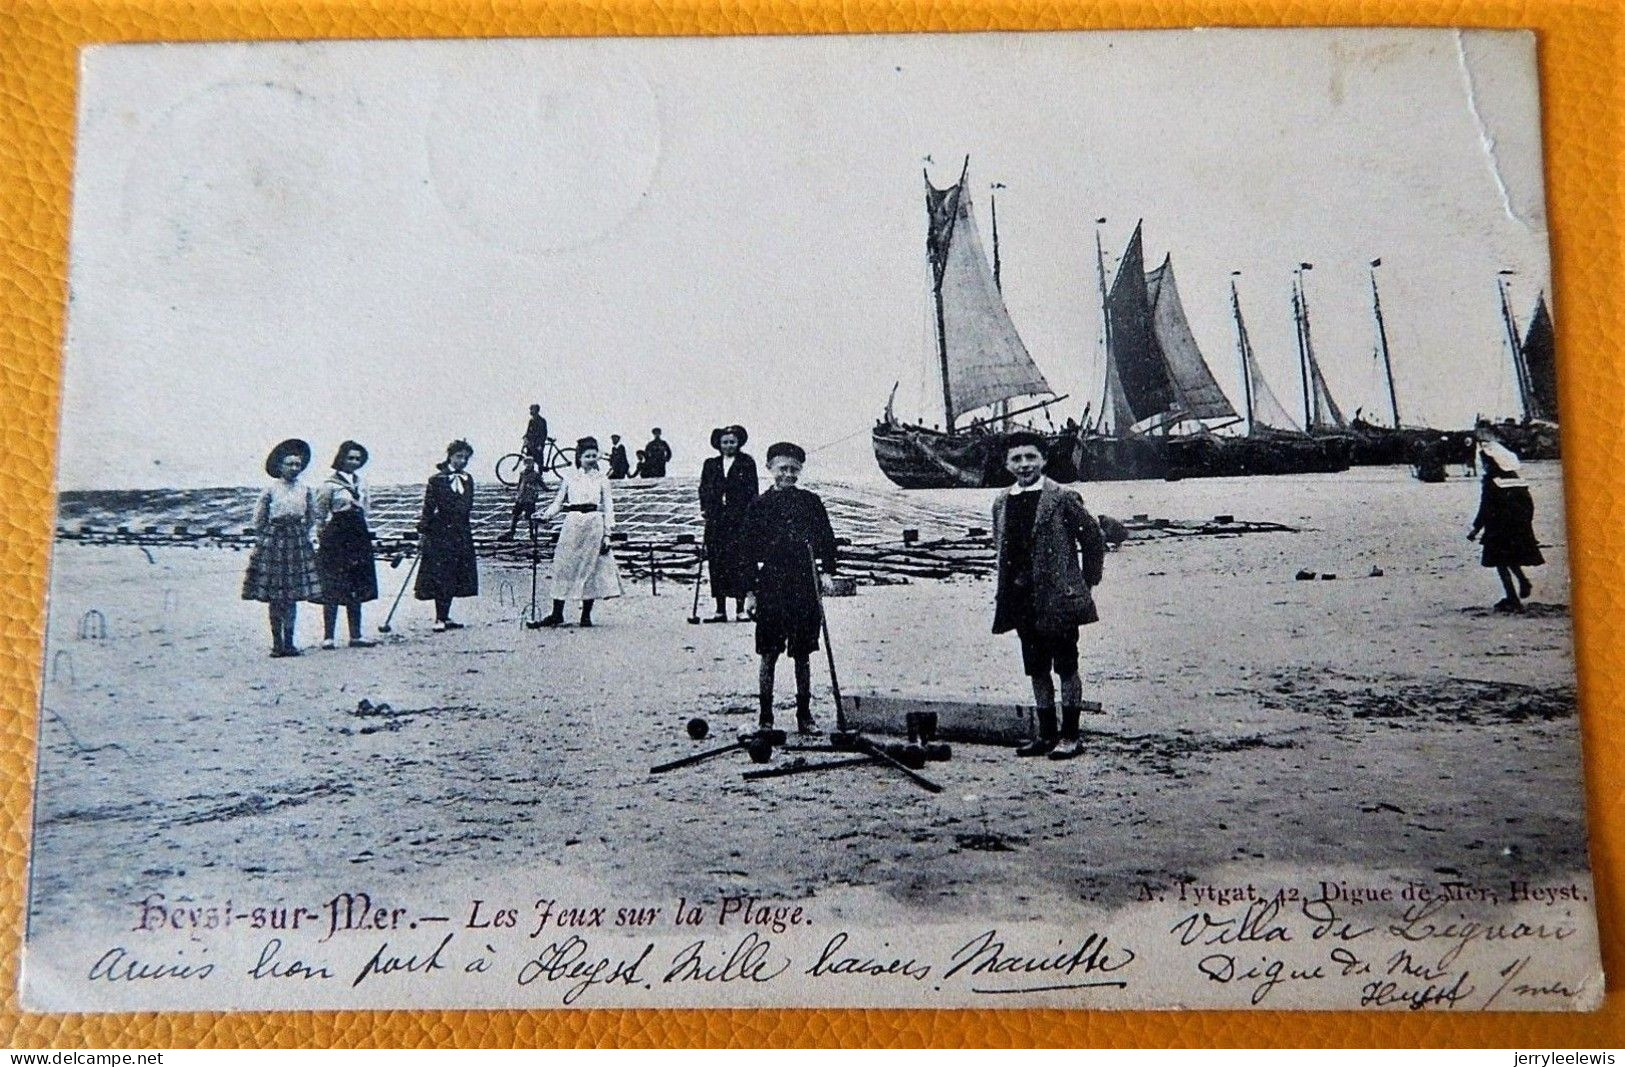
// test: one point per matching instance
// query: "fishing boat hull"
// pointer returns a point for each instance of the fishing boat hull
(1380, 446)
(917, 457)
(1532, 439)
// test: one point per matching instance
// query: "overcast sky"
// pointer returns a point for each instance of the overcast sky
(406, 242)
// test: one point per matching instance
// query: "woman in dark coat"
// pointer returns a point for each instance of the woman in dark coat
(344, 545)
(728, 484)
(447, 568)
(1506, 517)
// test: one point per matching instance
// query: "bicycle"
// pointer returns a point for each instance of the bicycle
(552, 460)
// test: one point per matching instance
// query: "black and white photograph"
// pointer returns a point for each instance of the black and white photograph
(988, 520)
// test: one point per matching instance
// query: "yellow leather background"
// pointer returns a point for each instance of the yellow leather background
(1584, 105)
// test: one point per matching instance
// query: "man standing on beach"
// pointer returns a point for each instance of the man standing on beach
(535, 435)
(618, 466)
(1043, 589)
(656, 454)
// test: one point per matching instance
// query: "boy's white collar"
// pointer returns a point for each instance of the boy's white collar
(1018, 488)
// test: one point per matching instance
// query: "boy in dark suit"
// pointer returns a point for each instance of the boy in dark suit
(783, 531)
(1043, 588)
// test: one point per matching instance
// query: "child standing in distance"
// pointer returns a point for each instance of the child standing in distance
(524, 501)
(784, 529)
(1043, 587)
(1506, 517)
(282, 565)
(448, 568)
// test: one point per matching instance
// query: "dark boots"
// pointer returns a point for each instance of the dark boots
(1071, 746)
(1045, 741)
(557, 617)
(804, 719)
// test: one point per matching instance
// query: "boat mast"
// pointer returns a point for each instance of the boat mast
(1003, 408)
(1106, 335)
(1511, 324)
(993, 206)
(1243, 348)
(936, 293)
(1300, 313)
(1382, 339)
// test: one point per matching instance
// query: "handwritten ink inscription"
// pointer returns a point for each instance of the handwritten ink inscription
(1391, 944)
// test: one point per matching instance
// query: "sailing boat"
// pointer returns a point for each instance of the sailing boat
(1534, 365)
(1161, 400)
(1164, 405)
(1374, 445)
(1321, 415)
(982, 361)
(1161, 404)
(1274, 444)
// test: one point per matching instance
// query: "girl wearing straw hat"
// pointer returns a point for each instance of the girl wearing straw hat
(282, 566)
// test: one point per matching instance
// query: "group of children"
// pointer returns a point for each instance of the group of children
(772, 552)
(778, 551)
(283, 568)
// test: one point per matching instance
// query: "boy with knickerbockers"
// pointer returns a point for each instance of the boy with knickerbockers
(1051, 553)
(784, 529)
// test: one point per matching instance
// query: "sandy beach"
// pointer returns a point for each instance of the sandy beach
(1388, 722)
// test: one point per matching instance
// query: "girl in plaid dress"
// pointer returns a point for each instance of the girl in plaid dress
(282, 566)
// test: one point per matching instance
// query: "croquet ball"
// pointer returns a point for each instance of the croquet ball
(698, 728)
(760, 751)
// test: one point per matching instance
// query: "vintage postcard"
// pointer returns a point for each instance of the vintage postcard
(757, 522)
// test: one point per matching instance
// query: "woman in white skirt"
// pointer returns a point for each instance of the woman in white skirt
(583, 567)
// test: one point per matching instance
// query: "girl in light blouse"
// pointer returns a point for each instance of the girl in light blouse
(583, 568)
(282, 565)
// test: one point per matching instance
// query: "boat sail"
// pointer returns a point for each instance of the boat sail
(1200, 397)
(1273, 442)
(1265, 412)
(1540, 366)
(1534, 363)
(1160, 396)
(981, 356)
(1163, 396)
(981, 360)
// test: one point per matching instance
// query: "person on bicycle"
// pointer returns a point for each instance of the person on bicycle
(535, 435)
